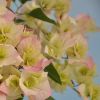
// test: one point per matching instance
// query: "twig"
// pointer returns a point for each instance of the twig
(10, 10)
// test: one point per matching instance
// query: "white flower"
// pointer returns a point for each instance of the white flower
(9, 56)
(46, 4)
(23, 13)
(35, 84)
(14, 91)
(9, 32)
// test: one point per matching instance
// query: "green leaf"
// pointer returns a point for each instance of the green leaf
(21, 98)
(18, 21)
(14, 0)
(52, 73)
(50, 98)
(24, 1)
(39, 14)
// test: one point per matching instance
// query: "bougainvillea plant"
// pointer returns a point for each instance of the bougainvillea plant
(42, 49)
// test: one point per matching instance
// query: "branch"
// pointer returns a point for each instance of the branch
(80, 91)
(10, 10)
(8, 6)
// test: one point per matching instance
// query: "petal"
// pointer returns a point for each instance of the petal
(30, 50)
(8, 16)
(1, 76)
(3, 88)
(79, 47)
(90, 62)
(27, 7)
(39, 67)
(11, 56)
(3, 9)
(86, 23)
(2, 96)
(44, 91)
(48, 4)
(82, 91)
(62, 6)
(41, 92)
(75, 61)
(14, 90)
(69, 40)
(31, 40)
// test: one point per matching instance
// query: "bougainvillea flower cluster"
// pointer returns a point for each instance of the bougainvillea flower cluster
(42, 49)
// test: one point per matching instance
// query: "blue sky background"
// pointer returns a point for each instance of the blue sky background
(91, 7)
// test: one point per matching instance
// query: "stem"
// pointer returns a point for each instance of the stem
(84, 98)
(79, 92)
(10, 10)
(76, 91)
